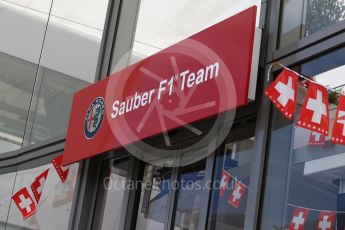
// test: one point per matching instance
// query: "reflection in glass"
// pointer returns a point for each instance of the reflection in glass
(305, 168)
(189, 198)
(228, 211)
(167, 25)
(154, 198)
(302, 18)
(54, 208)
(17, 78)
(112, 200)
(68, 64)
(20, 47)
(54, 104)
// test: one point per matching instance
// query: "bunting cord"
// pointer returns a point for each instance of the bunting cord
(305, 78)
(313, 209)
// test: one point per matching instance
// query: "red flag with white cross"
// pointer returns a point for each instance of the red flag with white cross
(224, 184)
(237, 194)
(299, 219)
(25, 203)
(317, 139)
(38, 184)
(61, 170)
(315, 115)
(283, 92)
(338, 135)
(326, 220)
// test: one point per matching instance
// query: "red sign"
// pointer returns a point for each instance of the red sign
(199, 77)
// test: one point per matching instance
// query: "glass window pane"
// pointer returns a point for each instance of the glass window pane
(68, 63)
(306, 169)
(233, 166)
(20, 48)
(189, 198)
(154, 198)
(302, 18)
(54, 103)
(56, 200)
(113, 198)
(17, 78)
(167, 25)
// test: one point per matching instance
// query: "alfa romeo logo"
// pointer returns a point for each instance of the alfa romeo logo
(94, 117)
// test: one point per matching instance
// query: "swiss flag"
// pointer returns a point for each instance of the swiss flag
(62, 171)
(237, 194)
(317, 139)
(38, 184)
(338, 135)
(25, 203)
(315, 115)
(299, 218)
(226, 177)
(283, 92)
(326, 220)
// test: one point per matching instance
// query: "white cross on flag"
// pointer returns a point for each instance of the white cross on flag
(62, 171)
(224, 182)
(338, 135)
(326, 220)
(25, 203)
(237, 194)
(299, 219)
(317, 139)
(283, 92)
(314, 114)
(37, 185)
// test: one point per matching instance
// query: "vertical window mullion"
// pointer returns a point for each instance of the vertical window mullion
(209, 172)
(169, 220)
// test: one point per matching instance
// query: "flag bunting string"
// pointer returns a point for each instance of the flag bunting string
(313, 209)
(304, 77)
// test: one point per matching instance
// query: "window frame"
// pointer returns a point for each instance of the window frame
(274, 28)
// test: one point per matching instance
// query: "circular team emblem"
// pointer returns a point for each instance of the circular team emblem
(94, 117)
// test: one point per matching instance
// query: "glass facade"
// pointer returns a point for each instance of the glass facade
(50, 50)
